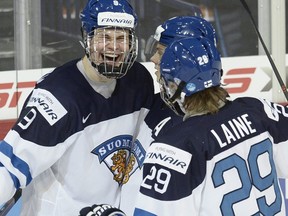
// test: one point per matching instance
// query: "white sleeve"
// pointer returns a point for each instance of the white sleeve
(7, 188)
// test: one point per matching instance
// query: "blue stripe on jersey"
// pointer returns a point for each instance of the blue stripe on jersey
(14, 178)
(19, 164)
(140, 212)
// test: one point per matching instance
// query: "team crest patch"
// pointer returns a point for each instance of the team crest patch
(121, 156)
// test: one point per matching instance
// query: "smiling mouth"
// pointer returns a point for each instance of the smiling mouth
(111, 58)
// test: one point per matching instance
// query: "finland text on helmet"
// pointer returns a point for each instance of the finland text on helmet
(188, 65)
(108, 29)
(180, 27)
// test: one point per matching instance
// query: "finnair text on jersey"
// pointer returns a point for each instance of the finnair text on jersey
(234, 130)
(166, 158)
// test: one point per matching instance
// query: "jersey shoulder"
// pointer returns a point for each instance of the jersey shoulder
(61, 76)
(139, 74)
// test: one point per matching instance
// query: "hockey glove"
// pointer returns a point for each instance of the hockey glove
(101, 210)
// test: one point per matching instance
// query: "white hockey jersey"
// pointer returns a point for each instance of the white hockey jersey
(71, 147)
(222, 165)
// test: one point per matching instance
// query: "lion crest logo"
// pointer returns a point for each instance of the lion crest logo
(121, 157)
(119, 168)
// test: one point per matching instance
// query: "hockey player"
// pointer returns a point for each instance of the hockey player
(166, 33)
(226, 156)
(169, 31)
(74, 142)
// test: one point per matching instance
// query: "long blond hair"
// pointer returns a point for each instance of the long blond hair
(208, 101)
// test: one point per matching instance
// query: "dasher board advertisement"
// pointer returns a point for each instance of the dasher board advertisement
(242, 76)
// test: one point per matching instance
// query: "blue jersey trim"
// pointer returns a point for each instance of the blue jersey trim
(19, 164)
(141, 212)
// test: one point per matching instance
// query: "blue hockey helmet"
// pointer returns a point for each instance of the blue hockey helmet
(190, 65)
(102, 22)
(103, 13)
(180, 27)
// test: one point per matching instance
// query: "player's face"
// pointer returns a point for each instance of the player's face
(156, 59)
(109, 46)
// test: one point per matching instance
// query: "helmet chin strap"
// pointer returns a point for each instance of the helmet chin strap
(179, 108)
(178, 91)
(110, 71)
(177, 104)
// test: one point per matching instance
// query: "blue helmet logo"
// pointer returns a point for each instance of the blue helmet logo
(190, 87)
